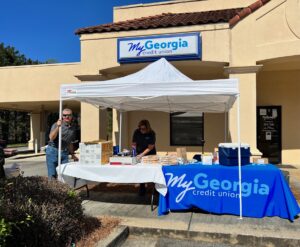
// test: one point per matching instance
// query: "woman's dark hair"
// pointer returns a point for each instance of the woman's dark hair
(145, 123)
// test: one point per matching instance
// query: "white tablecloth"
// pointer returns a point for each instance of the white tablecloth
(115, 174)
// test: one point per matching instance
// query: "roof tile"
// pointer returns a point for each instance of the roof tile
(247, 11)
(231, 16)
(256, 5)
(165, 20)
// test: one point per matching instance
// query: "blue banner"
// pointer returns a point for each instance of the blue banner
(215, 189)
(150, 48)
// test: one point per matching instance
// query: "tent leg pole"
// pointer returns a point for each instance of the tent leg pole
(225, 126)
(59, 139)
(239, 156)
(120, 132)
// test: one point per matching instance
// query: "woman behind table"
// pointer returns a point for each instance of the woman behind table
(143, 141)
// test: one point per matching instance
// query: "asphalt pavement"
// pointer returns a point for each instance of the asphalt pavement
(31, 165)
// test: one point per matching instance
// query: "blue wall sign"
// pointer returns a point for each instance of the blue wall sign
(150, 48)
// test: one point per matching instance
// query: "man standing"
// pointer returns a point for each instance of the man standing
(68, 135)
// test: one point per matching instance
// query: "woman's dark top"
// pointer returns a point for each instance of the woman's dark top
(143, 140)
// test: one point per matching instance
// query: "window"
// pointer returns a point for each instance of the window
(187, 129)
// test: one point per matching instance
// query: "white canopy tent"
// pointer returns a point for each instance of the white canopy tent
(158, 87)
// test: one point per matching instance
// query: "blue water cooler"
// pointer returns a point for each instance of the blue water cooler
(228, 154)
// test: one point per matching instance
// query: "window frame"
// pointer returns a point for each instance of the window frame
(189, 145)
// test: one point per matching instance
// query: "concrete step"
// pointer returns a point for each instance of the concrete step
(137, 241)
(171, 237)
(203, 228)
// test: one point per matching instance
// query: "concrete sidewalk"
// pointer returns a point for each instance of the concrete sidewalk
(136, 213)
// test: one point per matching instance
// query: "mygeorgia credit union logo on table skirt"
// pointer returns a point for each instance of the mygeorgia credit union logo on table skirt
(204, 185)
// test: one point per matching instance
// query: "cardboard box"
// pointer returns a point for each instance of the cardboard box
(95, 152)
(106, 146)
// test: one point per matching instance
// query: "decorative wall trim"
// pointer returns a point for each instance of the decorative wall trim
(242, 69)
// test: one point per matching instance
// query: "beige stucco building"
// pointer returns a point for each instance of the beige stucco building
(257, 42)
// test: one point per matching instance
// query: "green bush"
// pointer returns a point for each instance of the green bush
(5, 231)
(38, 212)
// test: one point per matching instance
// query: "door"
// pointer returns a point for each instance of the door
(269, 132)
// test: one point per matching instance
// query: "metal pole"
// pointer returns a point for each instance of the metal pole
(239, 155)
(225, 126)
(120, 132)
(59, 138)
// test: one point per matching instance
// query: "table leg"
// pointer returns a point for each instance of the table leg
(152, 198)
(86, 186)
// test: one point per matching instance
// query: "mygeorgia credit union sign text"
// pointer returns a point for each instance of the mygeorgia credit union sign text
(150, 48)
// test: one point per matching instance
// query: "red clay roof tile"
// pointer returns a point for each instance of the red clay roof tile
(165, 20)
(247, 11)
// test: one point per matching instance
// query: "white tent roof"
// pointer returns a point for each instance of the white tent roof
(157, 87)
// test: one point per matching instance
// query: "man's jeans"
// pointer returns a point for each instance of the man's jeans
(52, 160)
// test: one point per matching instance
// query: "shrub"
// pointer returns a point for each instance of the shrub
(5, 231)
(38, 212)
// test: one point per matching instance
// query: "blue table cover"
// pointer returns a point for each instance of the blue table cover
(215, 189)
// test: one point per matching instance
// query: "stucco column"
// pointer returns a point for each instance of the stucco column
(35, 129)
(43, 124)
(93, 123)
(247, 87)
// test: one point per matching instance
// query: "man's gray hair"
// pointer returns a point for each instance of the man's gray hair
(68, 109)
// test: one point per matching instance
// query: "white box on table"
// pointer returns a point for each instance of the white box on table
(124, 160)
(96, 152)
